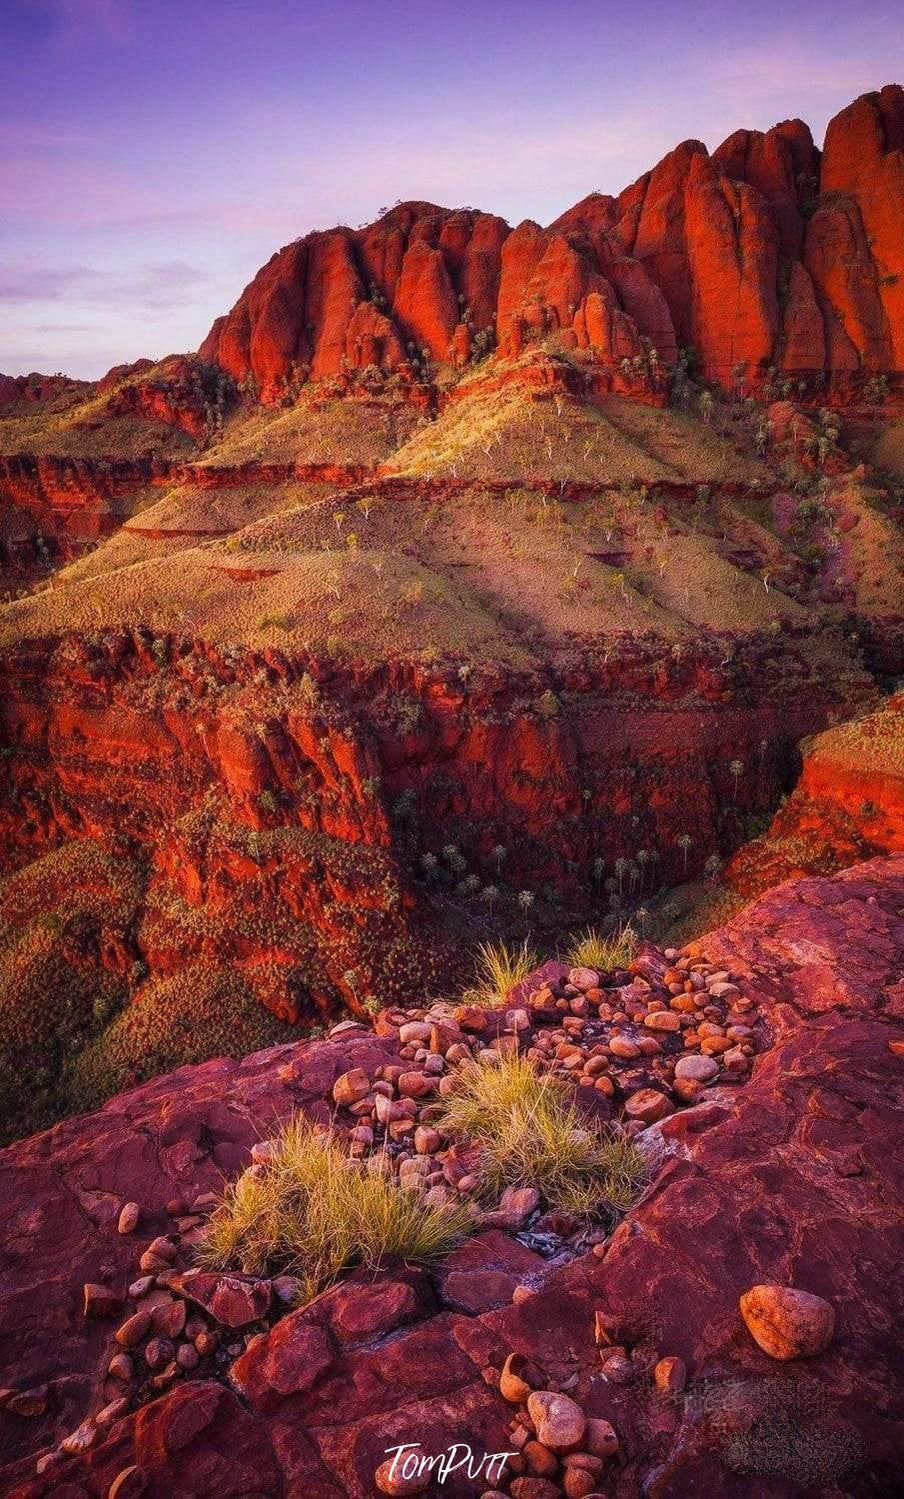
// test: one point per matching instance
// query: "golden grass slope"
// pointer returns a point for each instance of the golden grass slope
(489, 431)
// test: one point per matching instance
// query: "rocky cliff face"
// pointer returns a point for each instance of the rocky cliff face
(766, 253)
(394, 799)
(848, 805)
(784, 1177)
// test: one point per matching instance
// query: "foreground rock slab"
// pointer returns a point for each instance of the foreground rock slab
(789, 1179)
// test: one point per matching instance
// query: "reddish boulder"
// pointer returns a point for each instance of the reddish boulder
(286, 1361)
(234, 1300)
(787, 1322)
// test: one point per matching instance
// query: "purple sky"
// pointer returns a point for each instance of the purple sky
(153, 153)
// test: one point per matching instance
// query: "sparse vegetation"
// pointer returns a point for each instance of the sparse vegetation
(530, 1133)
(311, 1211)
(593, 949)
(500, 966)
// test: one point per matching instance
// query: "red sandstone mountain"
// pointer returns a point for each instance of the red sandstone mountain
(311, 694)
(451, 647)
(766, 252)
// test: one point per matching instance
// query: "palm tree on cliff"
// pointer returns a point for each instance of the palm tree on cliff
(737, 769)
(684, 841)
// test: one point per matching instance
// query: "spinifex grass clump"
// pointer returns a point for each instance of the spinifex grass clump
(499, 968)
(531, 1135)
(311, 1211)
(594, 950)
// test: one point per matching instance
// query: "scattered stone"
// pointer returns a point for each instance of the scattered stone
(120, 1368)
(129, 1483)
(724, 990)
(389, 1480)
(513, 1383)
(558, 1420)
(112, 1412)
(128, 1218)
(28, 1403)
(787, 1323)
(540, 1459)
(158, 1354)
(415, 1030)
(647, 1105)
(529, 1487)
(100, 1301)
(140, 1287)
(81, 1439)
(163, 1247)
(582, 1472)
(617, 1368)
(351, 1087)
(131, 1332)
(415, 1085)
(600, 1438)
(168, 1319)
(515, 1207)
(234, 1300)
(670, 1375)
(622, 1046)
(696, 1069)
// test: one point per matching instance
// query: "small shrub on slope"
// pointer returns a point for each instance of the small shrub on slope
(531, 1135)
(499, 968)
(191, 1016)
(312, 1211)
(594, 950)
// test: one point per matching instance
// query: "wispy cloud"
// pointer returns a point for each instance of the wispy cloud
(156, 285)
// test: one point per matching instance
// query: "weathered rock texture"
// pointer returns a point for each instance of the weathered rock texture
(847, 805)
(257, 809)
(766, 252)
(794, 1179)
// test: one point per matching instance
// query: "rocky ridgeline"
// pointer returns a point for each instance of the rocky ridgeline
(760, 1071)
(767, 252)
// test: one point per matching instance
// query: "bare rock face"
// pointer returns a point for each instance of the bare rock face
(863, 160)
(760, 254)
(783, 165)
(847, 805)
(775, 1210)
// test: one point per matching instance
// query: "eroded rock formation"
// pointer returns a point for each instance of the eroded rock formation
(766, 252)
(848, 805)
(254, 799)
